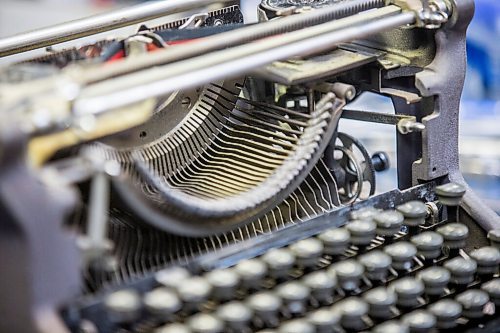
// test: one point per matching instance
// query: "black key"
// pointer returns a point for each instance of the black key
(419, 321)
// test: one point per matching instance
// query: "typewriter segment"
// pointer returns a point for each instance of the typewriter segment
(198, 176)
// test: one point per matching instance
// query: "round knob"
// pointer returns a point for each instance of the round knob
(335, 241)
(419, 321)
(450, 194)
(123, 306)
(494, 237)
(194, 291)
(493, 289)
(462, 270)
(428, 244)
(381, 161)
(447, 312)
(407, 289)
(279, 262)
(414, 213)
(224, 283)
(389, 222)
(162, 302)
(173, 328)
(380, 302)
(487, 259)
(295, 296)
(349, 273)
(236, 315)
(321, 285)
(307, 251)
(435, 280)
(172, 277)
(362, 232)
(455, 235)
(324, 320)
(352, 310)
(392, 326)
(266, 307)
(296, 326)
(251, 272)
(402, 254)
(366, 213)
(377, 264)
(473, 302)
(205, 323)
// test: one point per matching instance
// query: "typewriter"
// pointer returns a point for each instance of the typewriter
(193, 176)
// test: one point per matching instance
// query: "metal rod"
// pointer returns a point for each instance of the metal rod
(375, 117)
(235, 61)
(96, 24)
(233, 38)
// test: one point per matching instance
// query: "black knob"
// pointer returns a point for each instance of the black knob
(381, 161)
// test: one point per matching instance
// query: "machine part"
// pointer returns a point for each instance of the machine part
(352, 168)
(94, 24)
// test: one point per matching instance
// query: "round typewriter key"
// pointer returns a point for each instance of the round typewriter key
(447, 312)
(455, 236)
(380, 302)
(362, 232)
(194, 291)
(251, 273)
(402, 254)
(366, 213)
(162, 302)
(296, 326)
(123, 306)
(435, 280)
(392, 326)
(321, 285)
(266, 307)
(450, 194)
(324, 320)
(307, 251)
(173, 328)
(407, 290)
(352, 310)
(224, 283)
(493, 289)
(389, 222)
(377, 264)
(462, 270)
(473, 302)
(295, 296)
(419, 321)
(205, 323)
(335, 241)
(429, 244)
(487, 259)
(279, 262)
(414, 213)
(349, 273)
(236, 315)
(172, 277)
(494, 237)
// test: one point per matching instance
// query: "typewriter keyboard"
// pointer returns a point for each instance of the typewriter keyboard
(408, 264)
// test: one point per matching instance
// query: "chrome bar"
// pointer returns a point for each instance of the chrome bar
(234, 38)
(234, 61)
(96, 24)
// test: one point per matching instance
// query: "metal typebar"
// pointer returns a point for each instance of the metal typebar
(235, 61)
(96, 24)
(236, 37)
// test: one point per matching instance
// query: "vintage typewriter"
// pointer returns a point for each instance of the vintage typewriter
(192, 177)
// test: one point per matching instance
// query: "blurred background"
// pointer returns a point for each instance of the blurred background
(480, 110)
